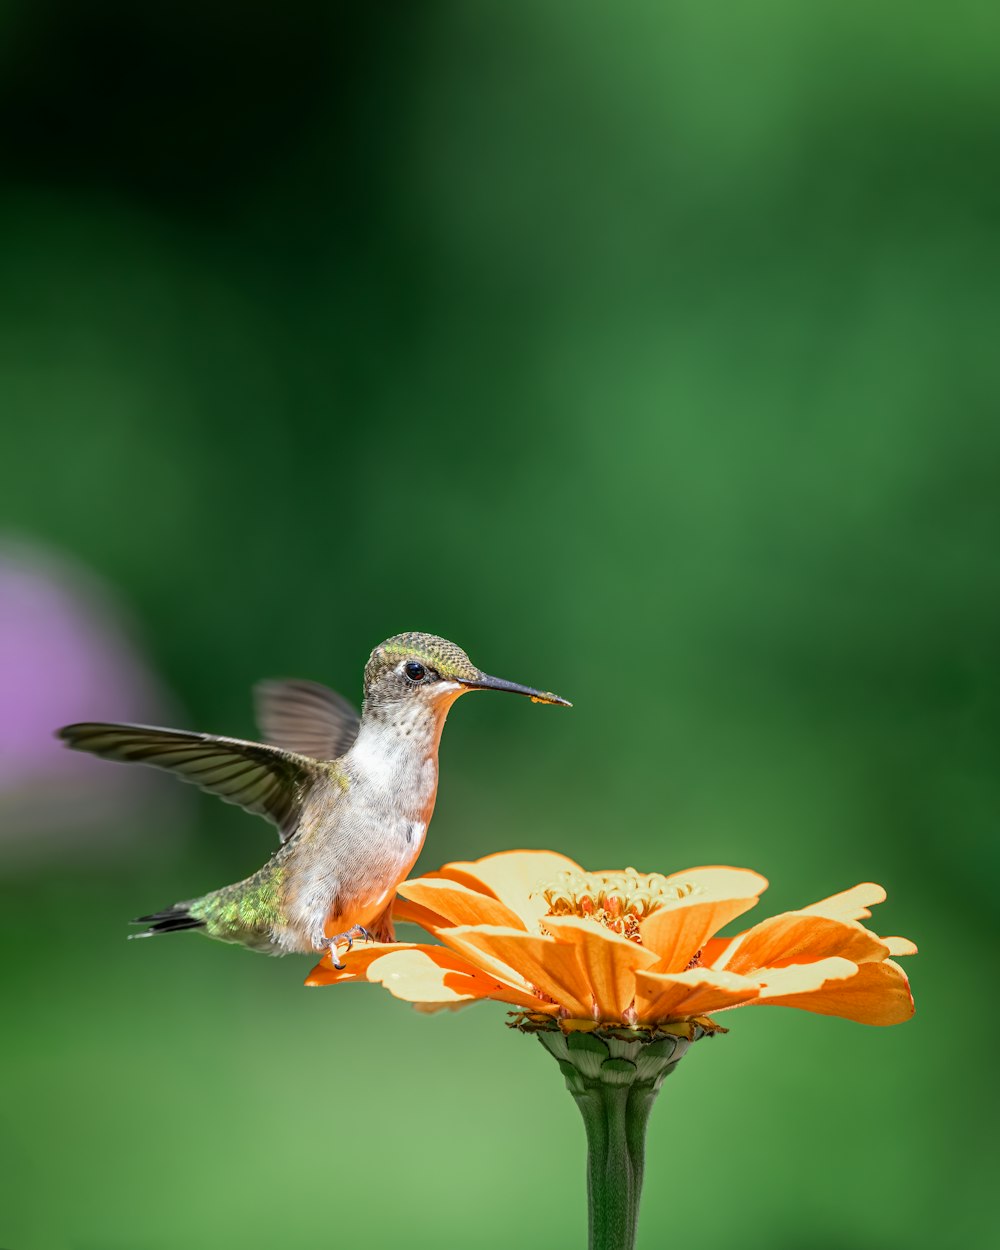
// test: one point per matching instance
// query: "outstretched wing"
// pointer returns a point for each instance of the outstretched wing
(307, 718)
(261, 779)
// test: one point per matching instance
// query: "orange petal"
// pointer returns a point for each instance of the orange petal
(433, 974)
(457, 904)
(797, 937)
(677, 932)
(850, 904)
(666, 995)
(356, 963)
(876, 993)
(900, 946)
(713, 950)
(609, 961)
(512, 876)
(405, 912)
(549, 966)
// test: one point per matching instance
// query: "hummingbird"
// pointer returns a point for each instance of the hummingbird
(351, 795)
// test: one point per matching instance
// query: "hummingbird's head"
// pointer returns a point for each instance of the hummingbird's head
(433, 670)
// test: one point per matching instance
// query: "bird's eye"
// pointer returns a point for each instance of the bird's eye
(415, 671)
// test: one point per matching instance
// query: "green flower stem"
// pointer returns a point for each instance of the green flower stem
(614, 1074)
(612, 1185)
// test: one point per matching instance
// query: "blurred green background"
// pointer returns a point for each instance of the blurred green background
(649, 353)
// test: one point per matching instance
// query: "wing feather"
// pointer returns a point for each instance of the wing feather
(306, 718)
(265, 780)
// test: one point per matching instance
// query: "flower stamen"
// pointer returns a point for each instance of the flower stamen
(617, 900)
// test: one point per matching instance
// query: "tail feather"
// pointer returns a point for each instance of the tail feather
(170, 920)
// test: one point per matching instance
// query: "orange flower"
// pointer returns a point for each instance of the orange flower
(532, 929)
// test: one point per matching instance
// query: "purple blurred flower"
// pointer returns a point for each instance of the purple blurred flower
(65, 654)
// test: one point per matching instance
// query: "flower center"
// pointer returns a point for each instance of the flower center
(618, 900)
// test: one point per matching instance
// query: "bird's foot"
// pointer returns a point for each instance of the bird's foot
(331, 943)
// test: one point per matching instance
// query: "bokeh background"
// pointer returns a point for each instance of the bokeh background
(649, 352)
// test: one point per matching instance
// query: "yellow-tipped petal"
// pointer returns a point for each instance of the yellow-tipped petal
(435, 975)
(852, 904)
(513, 877)
(609, 961)
(875, 993)
(356, 963)
(799, 937)
(675, 995)
(804, 978)
(720, 881)
(900, 946)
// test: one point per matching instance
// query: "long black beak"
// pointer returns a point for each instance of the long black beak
(485, 682)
